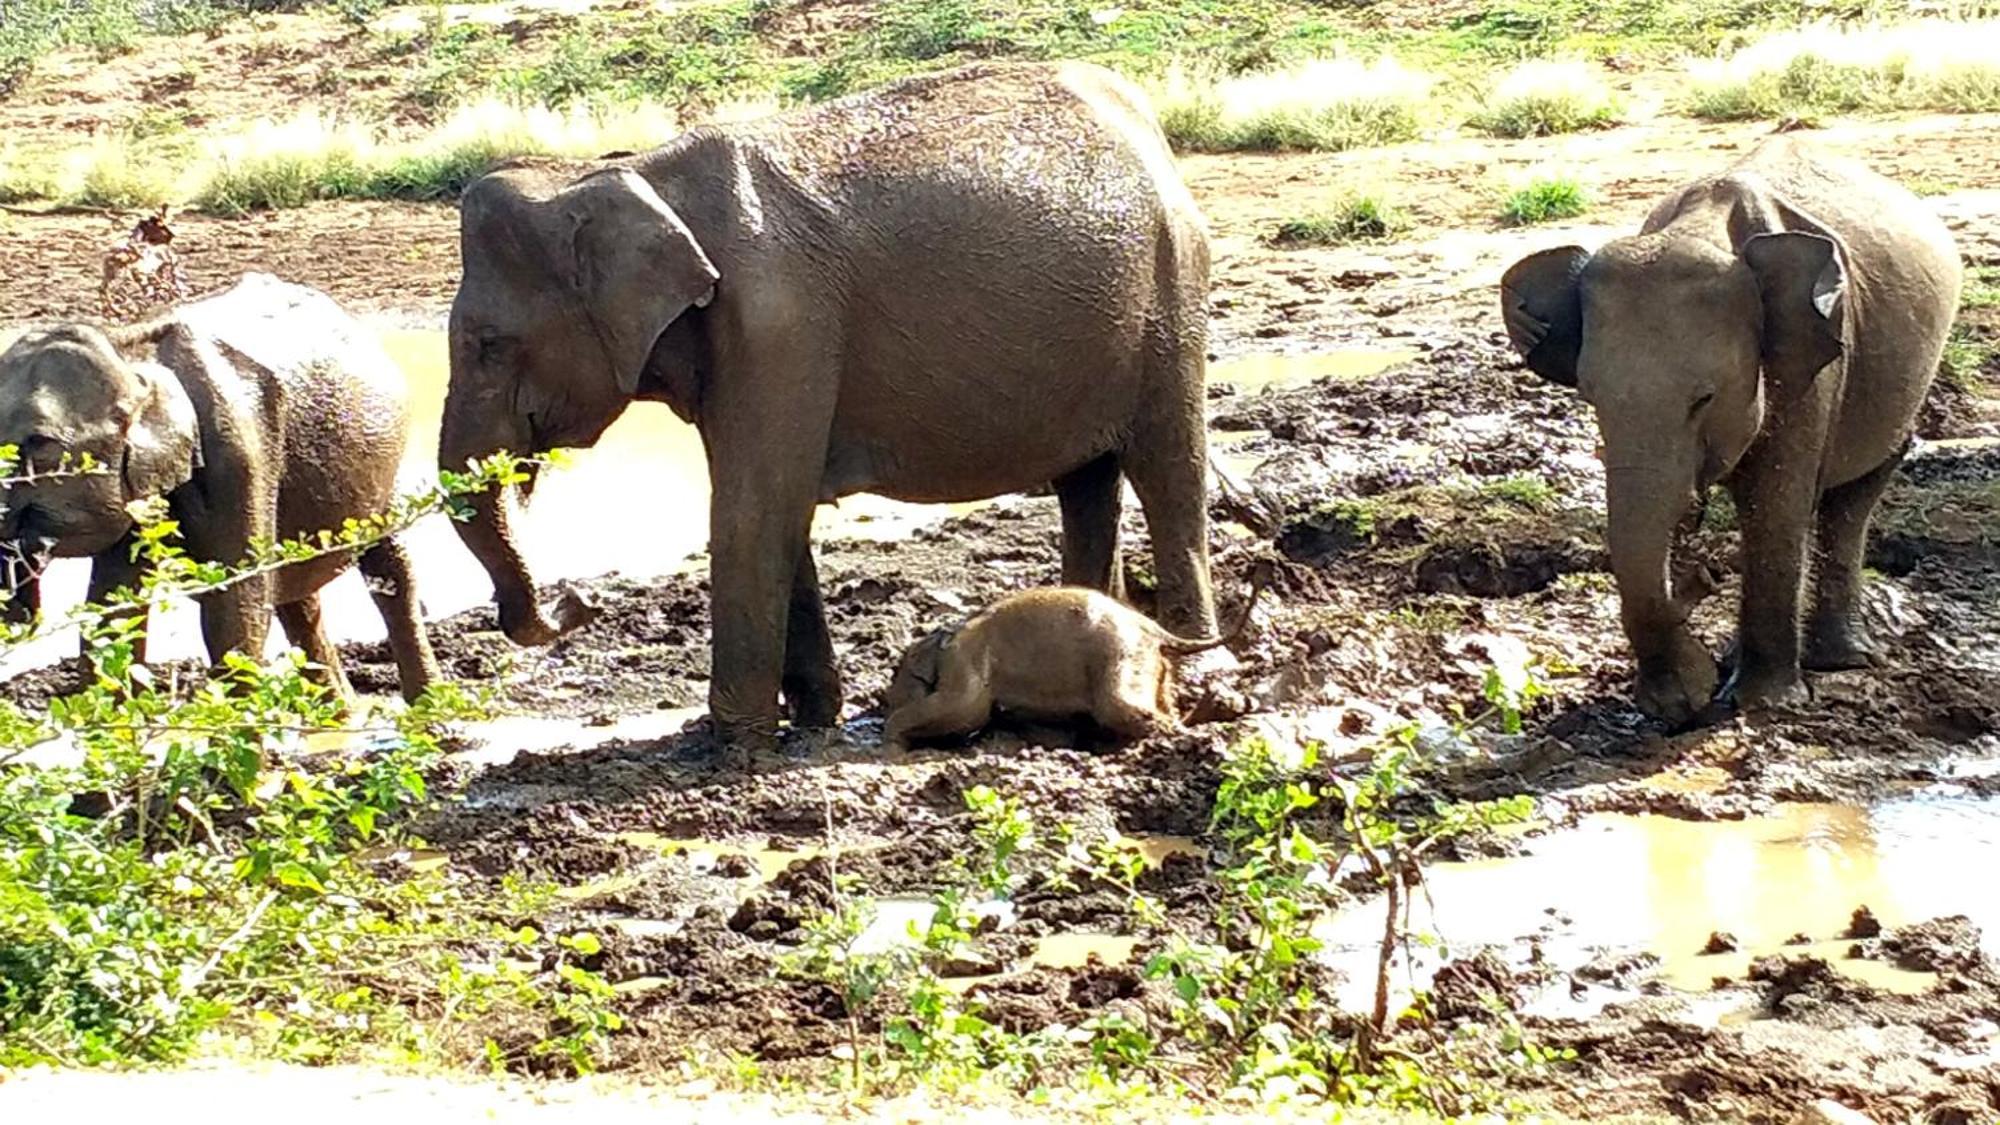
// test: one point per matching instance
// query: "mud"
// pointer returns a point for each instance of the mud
(1438, 509)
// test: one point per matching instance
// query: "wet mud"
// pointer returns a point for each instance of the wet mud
(1436, 508)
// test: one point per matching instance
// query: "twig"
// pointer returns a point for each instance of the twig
(231, 942)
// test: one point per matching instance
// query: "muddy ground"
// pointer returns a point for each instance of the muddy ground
(1368, 627)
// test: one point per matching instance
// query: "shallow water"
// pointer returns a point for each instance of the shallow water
(1264, 372)
(1662, 885)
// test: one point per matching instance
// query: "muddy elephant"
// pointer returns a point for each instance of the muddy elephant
(951, 288)
(262, 412)
(1773, 328)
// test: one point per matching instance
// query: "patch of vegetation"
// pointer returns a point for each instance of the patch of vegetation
(1251, 1015)
(183, 871)
(1926, 65)
(1360, 217)
(1544, 199)
(1968, 354)
(1524, 490)
(1542, 98)
(1326, 106)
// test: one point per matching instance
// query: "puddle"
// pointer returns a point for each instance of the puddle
(1074, 950)
(1253, 373)
(1661, 885)
(703, 854)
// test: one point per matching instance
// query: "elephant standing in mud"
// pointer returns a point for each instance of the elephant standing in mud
(951, 288)
(264, 412)
(1773, 328)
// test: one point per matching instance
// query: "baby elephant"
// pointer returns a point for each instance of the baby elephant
(263, 412)
(1051, 653)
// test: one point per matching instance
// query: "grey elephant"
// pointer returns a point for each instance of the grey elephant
(262, 412)
(1773, 328)
(954, 287)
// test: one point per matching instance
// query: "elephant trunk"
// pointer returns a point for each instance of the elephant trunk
(489, 535)
(1676, 674)
(21, 564)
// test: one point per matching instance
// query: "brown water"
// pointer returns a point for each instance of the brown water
(1663, 885)
(1264, 372)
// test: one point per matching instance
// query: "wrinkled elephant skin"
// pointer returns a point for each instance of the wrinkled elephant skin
(1774, 329)
(262, 413)
(948, 289)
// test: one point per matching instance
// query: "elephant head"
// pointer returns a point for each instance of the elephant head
(67, 394)
(564, 295)
(917, 674)
(1683, 339)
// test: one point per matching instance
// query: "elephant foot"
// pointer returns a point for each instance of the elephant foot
(814, 702)
(1753, 691)
(1678, 692)
(1840, 644)
(747, 740)
(530, 625)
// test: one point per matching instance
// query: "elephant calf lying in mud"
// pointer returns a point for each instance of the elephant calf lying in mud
(1773, 328)
(263, 412)
(1052, 653)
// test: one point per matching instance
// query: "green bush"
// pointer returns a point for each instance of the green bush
(154, 889)
(1544, 200)
(1354, 218)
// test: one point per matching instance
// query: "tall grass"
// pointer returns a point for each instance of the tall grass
(314, 156)
(1933, 64)
(1326, 105)
(1547, 96)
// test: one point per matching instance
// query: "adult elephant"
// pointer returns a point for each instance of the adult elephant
(951, 288)
(1773, 328)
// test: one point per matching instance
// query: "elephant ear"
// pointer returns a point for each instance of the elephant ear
(636, 266)
(163, 441)
(1541, 301)
(1804, 286)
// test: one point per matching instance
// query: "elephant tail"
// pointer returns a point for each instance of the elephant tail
(1260, 577)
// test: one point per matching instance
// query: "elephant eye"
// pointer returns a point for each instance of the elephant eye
(1701, 403)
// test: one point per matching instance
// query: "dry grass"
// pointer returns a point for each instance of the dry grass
(313, 156)
(1548, 96)
(1936, 64)
(1325, 105)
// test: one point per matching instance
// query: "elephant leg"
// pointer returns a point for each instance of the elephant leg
(811, 681)
(1837, 637)
(1125, 708)
(114, 569)
(765, 427)
(1167, 462)
(303, 627)
(1091, 497)
(386, 567)
(1777, 516)
(237, 619)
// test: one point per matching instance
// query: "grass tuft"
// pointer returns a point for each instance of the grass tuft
(1944, 65)
(1545, 97)
(1328, 105)
(1544, 199)
(1360, 217)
